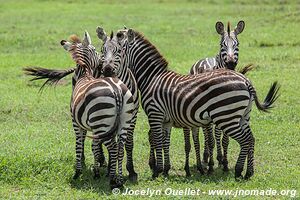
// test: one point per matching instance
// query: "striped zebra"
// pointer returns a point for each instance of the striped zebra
(223, 97)
(103, 106)
(226, 58)
(127, 77)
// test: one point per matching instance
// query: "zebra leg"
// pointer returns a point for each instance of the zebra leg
(218, 133)
(120, 181)
(206, 147)
(166, 147)
(187, 147)
(237, 133)
(152, 161)
(96, 149)
(157, 140)
(112, 148)
(250, 161)
(211, 145)
(129, 148)
(80, 137)
(195, 133)
(225, 143)
(158, 146)
(101, 160)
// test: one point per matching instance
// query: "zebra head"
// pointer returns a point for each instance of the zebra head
(112, 53)
(229, 50)
(84, 54)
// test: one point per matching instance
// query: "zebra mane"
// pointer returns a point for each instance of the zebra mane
(228, 28)
(158, 55)
(75, 39)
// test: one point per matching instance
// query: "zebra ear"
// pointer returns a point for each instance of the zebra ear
(220, 28)
(120, 36)
(101, 34)
(66, 45)
(87, 39)
(240, 27)
(130, 35)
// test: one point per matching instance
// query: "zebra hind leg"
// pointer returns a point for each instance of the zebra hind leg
(218, 134)
(112, 148)
(250, 160)
(80, 137)
(187, 147)
(101, 159)
(211, 145)
(96, 149)
(225, 143)
(206, 148)
(243, 140)
(195, 134)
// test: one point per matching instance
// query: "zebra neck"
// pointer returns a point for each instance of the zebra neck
(146, 69)
(219, 62)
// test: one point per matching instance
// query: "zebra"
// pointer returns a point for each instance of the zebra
(169, 99)
(226, 58)
(127, 77)
(102, 105)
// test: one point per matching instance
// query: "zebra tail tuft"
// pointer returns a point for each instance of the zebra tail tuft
(52, 76)
(271, 97)
(247, 68)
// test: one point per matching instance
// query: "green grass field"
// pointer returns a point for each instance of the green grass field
(37, 141)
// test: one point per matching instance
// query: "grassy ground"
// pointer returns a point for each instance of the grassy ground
(37, 142)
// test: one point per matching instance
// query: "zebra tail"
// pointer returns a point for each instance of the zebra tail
(246, 69)
(271, 97)
(52, 76)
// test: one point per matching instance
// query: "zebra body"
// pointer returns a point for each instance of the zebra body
(169, 99)
(104, 106)
(227, 58)
(128, 79)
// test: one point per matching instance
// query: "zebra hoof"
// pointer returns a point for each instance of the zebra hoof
(210, 171)
(225, 169)
(133, 177)
(248, 175)
(188, 174)
(200, 169)
(78, 172)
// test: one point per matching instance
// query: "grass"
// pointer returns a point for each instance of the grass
(37, 141)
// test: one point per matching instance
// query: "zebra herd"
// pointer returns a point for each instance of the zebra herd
(105, 100)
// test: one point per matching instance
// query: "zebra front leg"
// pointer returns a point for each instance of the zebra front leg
(166, 147)
(187, 147)
(152, 161)
(225, 143)
(129, 148)
(218, 133)
(80, 137)
(211, 145)
(158, 146)
(195, 134)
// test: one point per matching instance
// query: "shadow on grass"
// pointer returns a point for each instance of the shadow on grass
(99, 185)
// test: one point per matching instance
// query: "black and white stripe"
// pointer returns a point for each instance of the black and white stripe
(103, 106)
(169, 99)
(227, 58)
